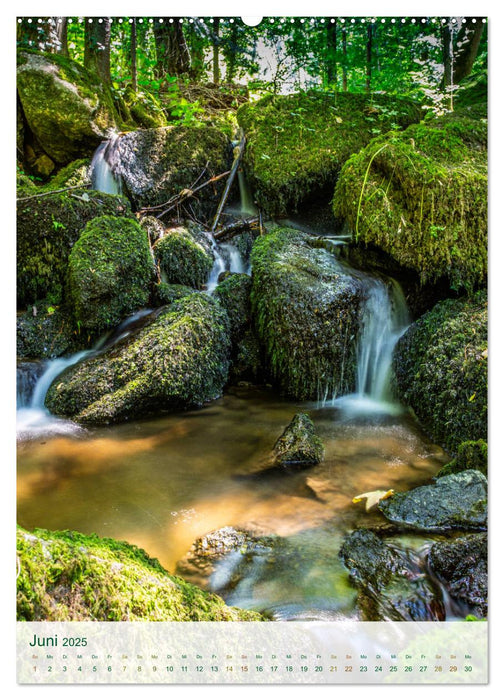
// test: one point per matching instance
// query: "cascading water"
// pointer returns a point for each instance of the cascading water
(230, 261)
(104, 177)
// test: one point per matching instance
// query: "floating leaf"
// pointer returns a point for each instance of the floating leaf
(373, 497)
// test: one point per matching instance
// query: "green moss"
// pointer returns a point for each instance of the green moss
(179, 360)
(296, 144)
(471, 454)
(440, 367)
(306, 314)
(74, 174)
(47, 228)
(184, 257)
(233, 293)
(50, 333)
(165, 294)
(144, 108)
(110, 270)
(421, 197)
(71, 576)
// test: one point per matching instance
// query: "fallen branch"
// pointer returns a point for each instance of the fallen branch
(236, 227)
(45, 194)
(234, 169)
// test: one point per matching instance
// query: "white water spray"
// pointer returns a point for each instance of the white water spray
(104, 177)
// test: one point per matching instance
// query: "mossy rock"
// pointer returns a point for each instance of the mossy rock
(421, 197)
(165, 294)
(145, 110)
(440, 370)
(298, 143)
(454, 502)
(184, 257)
(180, 360)
(110, 270)
(25, 186)
(67, 108)
(75, 174)
(233, 293)
(306, 313)
(47, 333)
(68, 576)
(156, 164)
(471, 454)
(299, 446)
(47, 228)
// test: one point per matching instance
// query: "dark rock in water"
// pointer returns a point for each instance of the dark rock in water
(67, 108)
(47, 228)
(180, 360)
(110, 270)
(462, 566)
(27, 376)
(156, 164)
(440, 369)
(391, 582)
(184, 256)
(472, 454)
(50, 333)
(457, 501)
(306, 309)
(298, 446)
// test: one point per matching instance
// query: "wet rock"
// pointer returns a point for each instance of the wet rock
(164, 293)
(441, 161)
(391, 582)
(462, 566)
(184, 256)
(440, 369)
(472, 454)
(180, 360)
(47, 228)
(155, 229)
(27, 376)
(110, 270)
(298, 446)
(306, 313)
(156, 164)
(67, 108)
(457, 501)
(49, 333)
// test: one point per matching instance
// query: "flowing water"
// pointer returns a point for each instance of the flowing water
(103, 165)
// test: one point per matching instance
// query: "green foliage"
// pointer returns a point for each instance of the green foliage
(440, 367)
(68, 576)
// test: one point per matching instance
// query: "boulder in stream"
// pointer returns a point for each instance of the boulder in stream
(45, 332)
(306, 309)
(461, 564)
(298, 446)
(110, 270)
(67, 109)
(184, 256)
(391, 582)
(180, 360)
(454, 502)
(157, 164)
(420, 196)
(440, 369)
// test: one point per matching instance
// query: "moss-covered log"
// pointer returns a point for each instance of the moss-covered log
(421, 197)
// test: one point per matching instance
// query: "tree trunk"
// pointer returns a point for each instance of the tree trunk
(172, 53)
(215, 60)
(97, 47)
(447, 42)
(345, 57)
(62, 33)
(331, 75)
(466, 49)
(133, 55)
(41, 36)
(369, 56)
(232, 43)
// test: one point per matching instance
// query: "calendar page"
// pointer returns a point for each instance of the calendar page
(251, 349)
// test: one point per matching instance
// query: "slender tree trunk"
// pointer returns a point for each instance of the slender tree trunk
(447, 41)
(62, 33)
(97, 47)
(215, 59)
(172, 53)
(331, 76)
(345, 57)
(369, 56)
(231, 55)
(133, 55)
(466, 49)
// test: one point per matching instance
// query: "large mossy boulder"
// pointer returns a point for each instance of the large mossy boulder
(184, 256)
(67, 108)
(45, 332)
(68, 576)
(462, 565)
(47, 228)
(420, 196)
(454, 502)
(391, 583)
(306, 313)
(157, 164)
(440, 369)
(180, 360)
(110, 271)
(297, 144)
(471, 454)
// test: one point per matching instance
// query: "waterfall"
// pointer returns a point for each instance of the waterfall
(247, 206)
(226, 258)
(104, 177)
